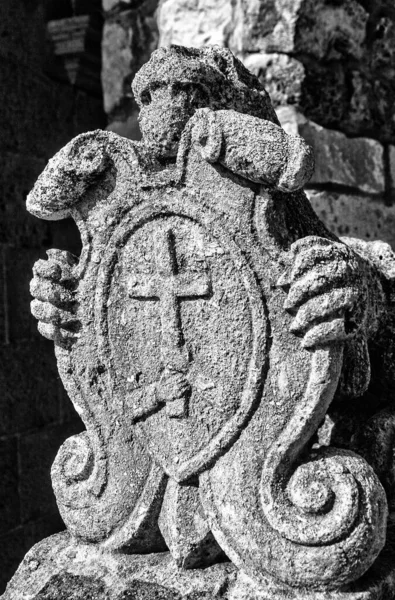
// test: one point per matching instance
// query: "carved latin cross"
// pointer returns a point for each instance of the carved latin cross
(168, 286)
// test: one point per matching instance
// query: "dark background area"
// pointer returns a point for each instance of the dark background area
(40, 111)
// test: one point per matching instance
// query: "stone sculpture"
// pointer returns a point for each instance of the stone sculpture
(232, 360)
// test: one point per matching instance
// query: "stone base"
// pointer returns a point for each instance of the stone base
(59, 568)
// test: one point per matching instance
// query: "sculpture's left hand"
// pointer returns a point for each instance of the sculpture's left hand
(329, 292)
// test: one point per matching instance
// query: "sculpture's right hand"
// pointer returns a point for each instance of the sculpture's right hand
(54, 306)
(171, 386)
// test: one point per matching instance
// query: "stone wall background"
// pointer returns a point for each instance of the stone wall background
(329, 66)
(38, 115)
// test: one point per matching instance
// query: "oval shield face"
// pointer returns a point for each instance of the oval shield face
(186, 332)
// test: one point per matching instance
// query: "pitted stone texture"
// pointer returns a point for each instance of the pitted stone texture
(267, 26)
(121, 4)
(345, 48)
(184, 526)
(59, 569)
(355, 216)
(283, 76)
(128, 40)
(117, 59)
(353, 162)
(205, 332)
(198, 23)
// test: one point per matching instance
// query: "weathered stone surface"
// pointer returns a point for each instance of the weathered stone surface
(356, 162)
(117, 59)
(209, 330)
(283, 76)
(58, 568)
(351, 87)
(345, 50)
(117, 4)
(185, 528)
(201, 22)
(355, 216)
(129, 37)
(275, 26)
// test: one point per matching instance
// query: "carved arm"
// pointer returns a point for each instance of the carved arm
(253, 148)
(59, 188)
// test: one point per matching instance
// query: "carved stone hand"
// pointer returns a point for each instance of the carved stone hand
(332, 292)
(54, 305)
(171, 386)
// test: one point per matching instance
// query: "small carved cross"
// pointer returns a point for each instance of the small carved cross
(169, 286)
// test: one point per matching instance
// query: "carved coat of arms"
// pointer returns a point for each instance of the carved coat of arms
(202, 335)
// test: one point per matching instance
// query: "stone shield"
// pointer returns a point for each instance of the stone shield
(176, 294)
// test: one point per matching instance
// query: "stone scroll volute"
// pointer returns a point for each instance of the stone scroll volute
(215, 322)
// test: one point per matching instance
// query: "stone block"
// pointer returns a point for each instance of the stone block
(352, 162)
(126, 577)
(346, 50)
(306, 27)
(117, 4)
(324, 30)
(36, 454)
(355, 216)
(29, 386)
(9, 499)
(354, 96)
(282, 76)
(195, 23)
(117, 60)
(128, 41)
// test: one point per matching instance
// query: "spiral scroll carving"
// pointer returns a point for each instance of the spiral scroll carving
(332, 500)
(78, 476)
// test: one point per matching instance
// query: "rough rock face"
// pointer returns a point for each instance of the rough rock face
(335, 59)
(332, 64)
(231, 358)
(129, 36)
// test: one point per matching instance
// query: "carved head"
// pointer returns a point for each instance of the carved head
(177, 81)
